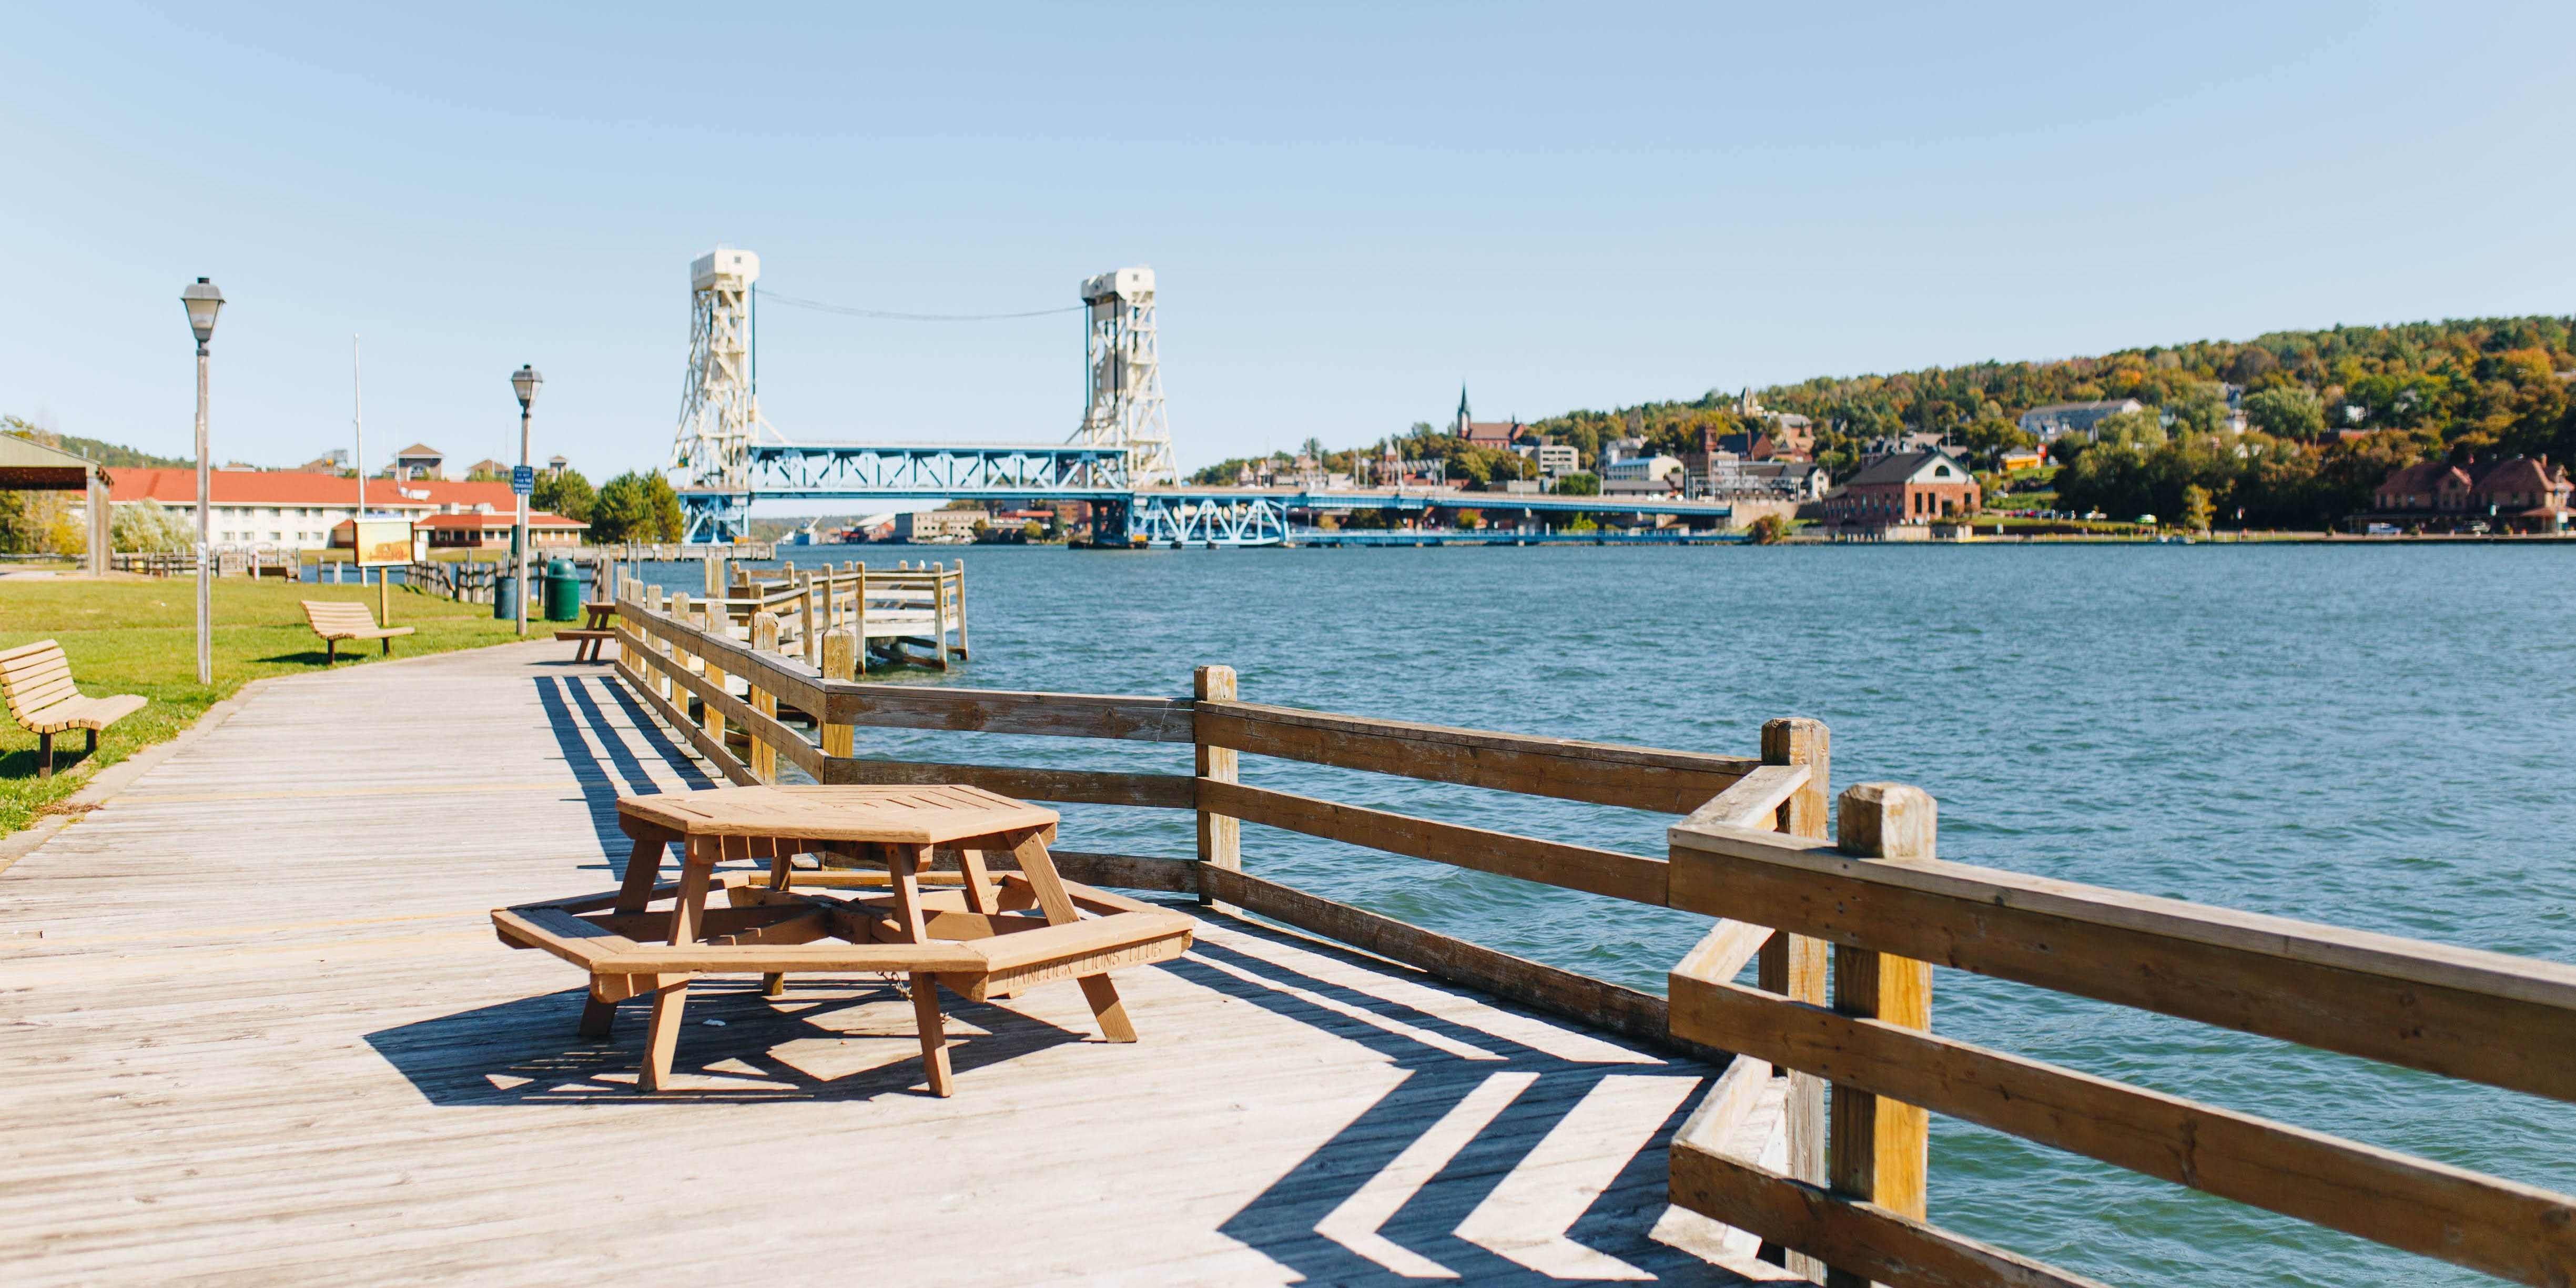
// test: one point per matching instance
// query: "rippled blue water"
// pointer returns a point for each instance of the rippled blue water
(2378, 737)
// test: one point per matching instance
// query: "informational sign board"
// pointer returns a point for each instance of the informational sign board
(523, 479)
(384, 543)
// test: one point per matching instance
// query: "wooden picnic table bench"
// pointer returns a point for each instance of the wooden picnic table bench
(336, 620)
(992, 936)
(597, 628)
(38, 681)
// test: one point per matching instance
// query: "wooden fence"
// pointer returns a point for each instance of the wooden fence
(1837, 1023)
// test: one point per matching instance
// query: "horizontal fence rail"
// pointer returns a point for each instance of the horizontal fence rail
(1841, 935)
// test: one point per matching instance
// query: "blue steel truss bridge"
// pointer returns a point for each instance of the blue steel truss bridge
(1123, 514)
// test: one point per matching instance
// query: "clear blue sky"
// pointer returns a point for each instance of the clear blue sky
(1351, 209)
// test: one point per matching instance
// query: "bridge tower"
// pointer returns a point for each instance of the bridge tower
(720, 403)
(1125, 409)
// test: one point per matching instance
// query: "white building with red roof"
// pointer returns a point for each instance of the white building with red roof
(297, 511)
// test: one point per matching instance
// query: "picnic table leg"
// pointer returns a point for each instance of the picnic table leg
(934, 1036)
(781, 873)
(1039, 867)
(662, 1038)
(634, 891)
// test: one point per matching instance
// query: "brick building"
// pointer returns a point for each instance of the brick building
(1908, 487)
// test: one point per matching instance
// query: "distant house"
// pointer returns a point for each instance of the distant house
(1909, 487)
(2022, 458)
(2519, 493)
(487, 469)
(2056, 420)
(420, 461)
(1556, 460)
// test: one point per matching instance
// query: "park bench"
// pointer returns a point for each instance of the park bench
(337, 620)
(38, 681)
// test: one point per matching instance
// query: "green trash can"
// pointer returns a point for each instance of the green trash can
(563, 591)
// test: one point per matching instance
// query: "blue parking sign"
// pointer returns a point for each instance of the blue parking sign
(523, 479)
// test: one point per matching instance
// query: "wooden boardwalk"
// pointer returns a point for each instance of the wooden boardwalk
(267, 1036)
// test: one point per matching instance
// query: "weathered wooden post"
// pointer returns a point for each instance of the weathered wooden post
(661, 604)
(1220, 835)
(962, 654)
(859, 615)
(1794, 965)
(939, 613)
(1880, 1148)
(715, 573)
(813, 640)
(764, 639)
(840, 649)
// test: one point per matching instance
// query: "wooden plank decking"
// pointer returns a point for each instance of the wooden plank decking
(267, 1036)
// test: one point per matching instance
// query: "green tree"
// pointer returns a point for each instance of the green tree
(637, 506)
(1769, 530)
(566, 493)
(2286, 411)
(1578, 485)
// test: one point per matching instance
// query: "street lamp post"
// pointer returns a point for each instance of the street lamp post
(525, 380)
(203, 301)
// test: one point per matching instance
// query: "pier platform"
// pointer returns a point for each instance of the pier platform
(258, 1030)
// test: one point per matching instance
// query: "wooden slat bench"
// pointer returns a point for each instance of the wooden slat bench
(337, 620)
(38, 681)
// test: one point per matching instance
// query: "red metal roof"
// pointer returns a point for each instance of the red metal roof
(488, 522)
(284, 487)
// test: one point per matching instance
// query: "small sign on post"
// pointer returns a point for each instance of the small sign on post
(523, 479)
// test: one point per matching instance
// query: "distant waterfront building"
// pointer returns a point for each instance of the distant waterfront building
(294, 510)
(1909, 487)
(1656, 468)
(488, 468)
(939, 525)
(485, 531)
(2057, 420)
(1556, 460)
(2518, 493)
(1727, 478)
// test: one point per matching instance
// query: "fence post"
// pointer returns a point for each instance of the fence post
(962, 654)
(764, 639)
(715, 587)
(813, 641)
(859, 616)
(1880, 1147)
(840, 648)
(1220, 836)
(1794, 965)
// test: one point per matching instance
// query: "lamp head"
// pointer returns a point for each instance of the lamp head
(526, 380)
(203, 301)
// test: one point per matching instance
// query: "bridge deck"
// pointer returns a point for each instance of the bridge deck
(267, 1036)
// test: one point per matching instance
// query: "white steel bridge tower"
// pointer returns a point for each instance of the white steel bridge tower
(1125, 407)
(720, 404)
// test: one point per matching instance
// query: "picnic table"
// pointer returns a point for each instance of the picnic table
(597, 628)
(1010, 922)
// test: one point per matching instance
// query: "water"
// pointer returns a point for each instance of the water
(2377, 737)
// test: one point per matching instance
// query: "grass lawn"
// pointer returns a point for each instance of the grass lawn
(141, 637)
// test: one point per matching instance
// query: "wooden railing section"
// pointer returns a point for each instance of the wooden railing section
(1837, 1024)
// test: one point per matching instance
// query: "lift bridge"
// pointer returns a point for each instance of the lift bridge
(726, 456)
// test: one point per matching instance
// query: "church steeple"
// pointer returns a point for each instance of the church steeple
(1462, 410)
